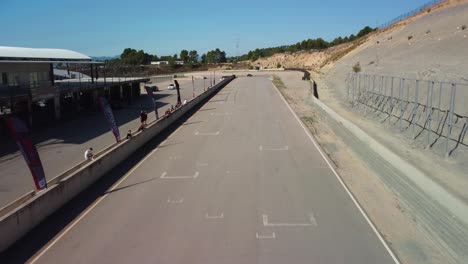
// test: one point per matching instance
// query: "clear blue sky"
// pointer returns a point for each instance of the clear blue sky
(106, 27)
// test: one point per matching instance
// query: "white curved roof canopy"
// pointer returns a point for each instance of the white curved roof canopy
(16, 54)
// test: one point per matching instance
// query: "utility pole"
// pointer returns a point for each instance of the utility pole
(193, 87)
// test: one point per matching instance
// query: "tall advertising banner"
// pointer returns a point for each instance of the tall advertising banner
(153, 99)
(19, 132)
(107, 110)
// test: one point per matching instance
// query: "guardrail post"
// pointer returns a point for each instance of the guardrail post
(453, 91)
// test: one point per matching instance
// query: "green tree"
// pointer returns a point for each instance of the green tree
(216, 56)
(365, 31)
(134, 57)
(193, 56)
(184, 55)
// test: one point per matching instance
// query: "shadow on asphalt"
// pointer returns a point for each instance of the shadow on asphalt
(66, 132)
(29, 245)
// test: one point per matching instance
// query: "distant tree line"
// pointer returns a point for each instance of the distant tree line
(131, 56)
(309, 44)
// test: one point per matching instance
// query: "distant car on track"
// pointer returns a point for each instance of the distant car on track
(171, 86)
(249, 75)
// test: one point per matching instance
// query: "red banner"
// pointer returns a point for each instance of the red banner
(153, 99)
(19, 131)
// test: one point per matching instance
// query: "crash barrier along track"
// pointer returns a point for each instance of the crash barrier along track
(426, 109)
(30, 212)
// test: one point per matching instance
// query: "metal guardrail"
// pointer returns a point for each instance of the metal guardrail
(429, 105)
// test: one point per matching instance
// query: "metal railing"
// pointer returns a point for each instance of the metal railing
(419, 105)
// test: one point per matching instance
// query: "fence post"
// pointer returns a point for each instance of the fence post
(373, 84)
(400, 96)
(384, 88)
(354, 87)
(430, 90)
(347, 86)
(358, 89)
(440, 98)
(450, 117)
(391, 103)
(416, 99)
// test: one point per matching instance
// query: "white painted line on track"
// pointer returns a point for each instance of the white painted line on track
(363, 213)
(272, 236)
(262, 148)
(164, 176)
(207, 134)
(221, 114)
(312, 222)
(181, 200)
(221, 216)
(96, 203)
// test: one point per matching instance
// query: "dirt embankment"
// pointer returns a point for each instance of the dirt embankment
(311, 60)
(431, 45)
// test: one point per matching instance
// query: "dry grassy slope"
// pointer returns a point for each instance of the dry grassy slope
(438, 50)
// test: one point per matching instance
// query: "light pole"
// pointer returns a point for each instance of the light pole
(193, 87)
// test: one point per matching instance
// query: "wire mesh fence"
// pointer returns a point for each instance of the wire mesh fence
(410, 13)
(430, 109)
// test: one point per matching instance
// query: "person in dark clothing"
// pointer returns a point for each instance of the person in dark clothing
(178, 91)
(142, 116)
(145, 117)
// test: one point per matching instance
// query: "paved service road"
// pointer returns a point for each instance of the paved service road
(239, 182)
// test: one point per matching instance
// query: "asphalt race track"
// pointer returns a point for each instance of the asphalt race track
(241, 181)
